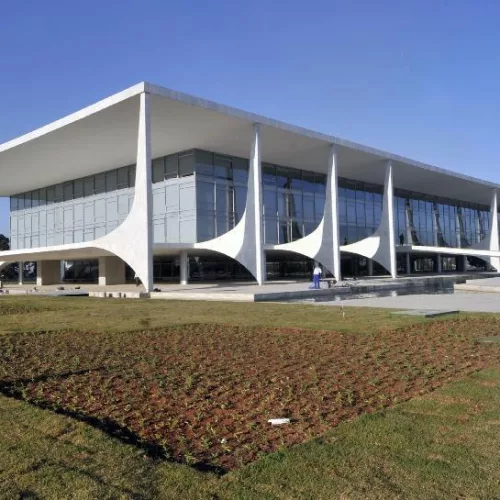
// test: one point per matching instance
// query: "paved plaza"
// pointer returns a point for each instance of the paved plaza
(484, 298)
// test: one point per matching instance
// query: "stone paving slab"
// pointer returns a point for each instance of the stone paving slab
(426, 313)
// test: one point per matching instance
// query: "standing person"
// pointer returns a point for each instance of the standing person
(137, 279)
(401, 239)
(317, 272)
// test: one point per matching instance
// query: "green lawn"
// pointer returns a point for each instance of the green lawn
(440, 445)
(19, 314)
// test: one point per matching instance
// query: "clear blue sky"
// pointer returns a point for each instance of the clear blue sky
(420, 77)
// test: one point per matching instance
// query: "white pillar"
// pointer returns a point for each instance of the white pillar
(255, 160)
(389, 210)
(144, 187)
(439, 264)
(184, 269)
(408, 263)
(20, 272)
(494, 241)
(370, 267)
(332, 173)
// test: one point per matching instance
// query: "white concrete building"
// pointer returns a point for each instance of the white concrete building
(164, 185)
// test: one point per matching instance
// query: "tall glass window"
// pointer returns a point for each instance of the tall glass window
(424, 220)
(221, 190)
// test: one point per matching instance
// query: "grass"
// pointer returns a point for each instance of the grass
(439, 445)
(124, 315)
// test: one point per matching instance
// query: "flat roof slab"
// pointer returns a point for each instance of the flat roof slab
(103, 136)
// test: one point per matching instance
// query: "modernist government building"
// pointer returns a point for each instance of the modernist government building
(164, 186)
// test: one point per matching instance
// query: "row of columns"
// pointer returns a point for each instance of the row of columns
(111, 271)
(438, 259)
(255, 203)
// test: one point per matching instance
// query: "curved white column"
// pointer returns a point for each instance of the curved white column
(322, 245)
(381, 245)
(491, 242)
(244, 243)
(132, 241)
(494, 239)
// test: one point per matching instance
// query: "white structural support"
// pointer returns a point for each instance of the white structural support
(389, 208)
(494, 240)
(491, 242)
(322, 245)
(256, 171)
(381, 245)
(244, 243)
(20, 273)
(184, 268)
(132, 241)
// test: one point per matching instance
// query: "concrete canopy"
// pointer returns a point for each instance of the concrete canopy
(103, 136)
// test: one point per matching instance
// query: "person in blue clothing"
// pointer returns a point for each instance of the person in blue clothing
(317, 272)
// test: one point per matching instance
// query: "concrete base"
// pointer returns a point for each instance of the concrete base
(111, 271)
(48, 272)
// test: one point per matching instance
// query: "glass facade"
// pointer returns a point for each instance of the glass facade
(199, 195)
(293, 202)
(221, 193)
(71, 212)
(91, 207)
(360, 210)
(431, 221)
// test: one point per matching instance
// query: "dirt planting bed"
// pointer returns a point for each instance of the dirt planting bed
(202, 394)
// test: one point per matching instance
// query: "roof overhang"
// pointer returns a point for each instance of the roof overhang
(103, 136)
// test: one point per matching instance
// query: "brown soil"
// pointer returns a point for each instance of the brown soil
(203, 394)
